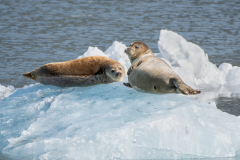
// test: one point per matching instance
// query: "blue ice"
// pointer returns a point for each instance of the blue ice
(111, 121)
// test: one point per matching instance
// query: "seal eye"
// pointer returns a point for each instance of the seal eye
(112, 71)
(120, 68)
(136, 46)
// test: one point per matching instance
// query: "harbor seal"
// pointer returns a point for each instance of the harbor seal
(80, 72)
(152, 74)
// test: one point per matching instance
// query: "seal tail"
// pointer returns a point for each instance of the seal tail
(184, 89)
(30, 76)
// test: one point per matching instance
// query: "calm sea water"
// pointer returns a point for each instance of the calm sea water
(33, 33)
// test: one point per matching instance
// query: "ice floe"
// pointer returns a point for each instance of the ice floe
(111, 121)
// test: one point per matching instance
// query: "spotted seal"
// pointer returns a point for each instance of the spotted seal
(152, 74)
(80, 72)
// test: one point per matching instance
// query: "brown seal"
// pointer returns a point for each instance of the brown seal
(80, 72)
(152, 74)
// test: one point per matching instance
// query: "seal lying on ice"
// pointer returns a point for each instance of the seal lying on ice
(80, 72)
(152, 74)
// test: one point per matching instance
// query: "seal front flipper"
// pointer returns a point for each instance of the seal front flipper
(134, 66)
(127, 85)
(183, 88)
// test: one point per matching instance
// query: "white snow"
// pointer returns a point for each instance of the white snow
(92, 51)
(6, 91)
(191, 63)
(111, 121)
(115, 52)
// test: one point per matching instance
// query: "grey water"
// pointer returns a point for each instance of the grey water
(33, 33)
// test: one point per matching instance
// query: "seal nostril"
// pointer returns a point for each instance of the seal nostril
(117, 74)
(155, 87)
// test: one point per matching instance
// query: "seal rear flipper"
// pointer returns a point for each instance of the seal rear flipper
(30, 76)
(183, 88)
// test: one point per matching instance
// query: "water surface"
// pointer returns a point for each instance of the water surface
(33, 33)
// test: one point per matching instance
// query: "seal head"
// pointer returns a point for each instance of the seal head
(115, 71)
(136, 50)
